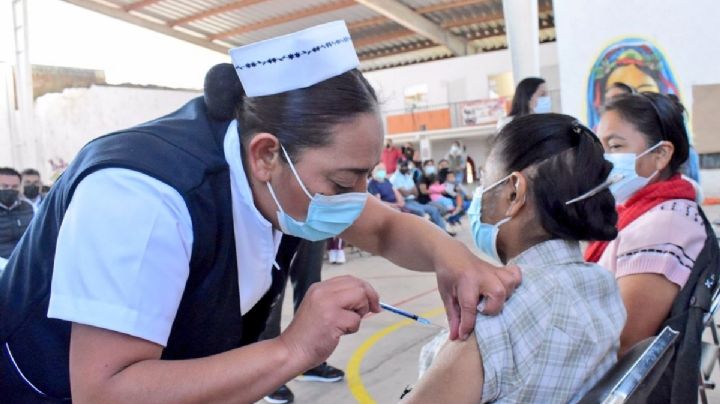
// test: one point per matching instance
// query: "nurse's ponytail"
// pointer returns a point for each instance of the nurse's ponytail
(223, 92)
(301, 118)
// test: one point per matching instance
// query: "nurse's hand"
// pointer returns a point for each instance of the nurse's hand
(464, 281)
(329, 310)
(414, 243)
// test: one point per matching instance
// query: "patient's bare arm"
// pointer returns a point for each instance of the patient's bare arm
(455, 376)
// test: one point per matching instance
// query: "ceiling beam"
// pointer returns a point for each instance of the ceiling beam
(281, 19)
(399, 50)
(473, 19)
(450, 5)
(410, 19)
(396, 50)
(406, 33)
(484, 19)
(370, 22)
(389, 36)
(139, 4)
(120, 14)
(235, 5)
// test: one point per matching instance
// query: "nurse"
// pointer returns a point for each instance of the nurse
(152, 265)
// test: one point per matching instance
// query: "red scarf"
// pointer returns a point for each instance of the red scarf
(644, 200)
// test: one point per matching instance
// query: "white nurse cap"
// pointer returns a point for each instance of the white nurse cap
(296, 60)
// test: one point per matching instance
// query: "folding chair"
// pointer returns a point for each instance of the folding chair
(635, 375)
(710, 352)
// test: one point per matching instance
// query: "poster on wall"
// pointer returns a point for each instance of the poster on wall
(633, 61)
(482, 111)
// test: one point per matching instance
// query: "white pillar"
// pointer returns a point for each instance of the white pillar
(25, 150)
(523, 36)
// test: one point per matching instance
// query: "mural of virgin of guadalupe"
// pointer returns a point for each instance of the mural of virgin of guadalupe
(632, 61)
(639, 64)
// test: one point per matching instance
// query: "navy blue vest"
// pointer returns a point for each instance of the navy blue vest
(184, 150)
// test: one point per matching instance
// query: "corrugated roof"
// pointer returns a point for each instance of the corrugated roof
(380, 41)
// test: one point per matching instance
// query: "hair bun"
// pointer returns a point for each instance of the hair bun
(223, 92)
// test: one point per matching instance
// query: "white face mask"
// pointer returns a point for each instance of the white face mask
(624, 167)
(544, 105)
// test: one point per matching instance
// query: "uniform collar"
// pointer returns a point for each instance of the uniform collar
(233, 156)
(256, 244)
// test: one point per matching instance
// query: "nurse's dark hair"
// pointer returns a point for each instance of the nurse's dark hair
(298, 118)
(658, 117)
(562, 160)
(523, 94)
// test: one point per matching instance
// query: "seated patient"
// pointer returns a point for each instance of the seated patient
(545, 189)
(661, 230)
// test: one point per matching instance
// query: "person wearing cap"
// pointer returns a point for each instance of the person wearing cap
(165, 244)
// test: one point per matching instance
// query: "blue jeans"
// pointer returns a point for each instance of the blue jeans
(419, 209)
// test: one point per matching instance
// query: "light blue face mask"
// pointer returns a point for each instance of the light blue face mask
(544, 105)
(327, 215)
(485, 235)
(624, 168)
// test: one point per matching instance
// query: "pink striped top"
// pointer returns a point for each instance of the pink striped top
(436, 191)
(666, 241)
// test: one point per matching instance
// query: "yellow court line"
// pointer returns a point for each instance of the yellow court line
(354, 381)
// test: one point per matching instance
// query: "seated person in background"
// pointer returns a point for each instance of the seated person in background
(380, 187)
(456, 193)
(402, 182)
(423, 184)
(661, 230)
(559, 332)
(436, 189)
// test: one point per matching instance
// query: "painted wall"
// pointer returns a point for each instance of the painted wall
(687, 33)
(452, 80)
(65, 121)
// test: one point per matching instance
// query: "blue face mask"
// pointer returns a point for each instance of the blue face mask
(430, 170)
(485, 235)
(624, 168)
(544, 105)
(327, 215)
(380, 175)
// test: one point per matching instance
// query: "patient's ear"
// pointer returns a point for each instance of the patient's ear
(518, 197)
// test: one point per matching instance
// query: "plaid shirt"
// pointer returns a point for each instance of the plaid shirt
(557, 335)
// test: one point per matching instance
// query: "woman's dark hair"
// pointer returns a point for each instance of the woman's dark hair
(298, 118)
(563, 160)
(523, 93)
(658, 117)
